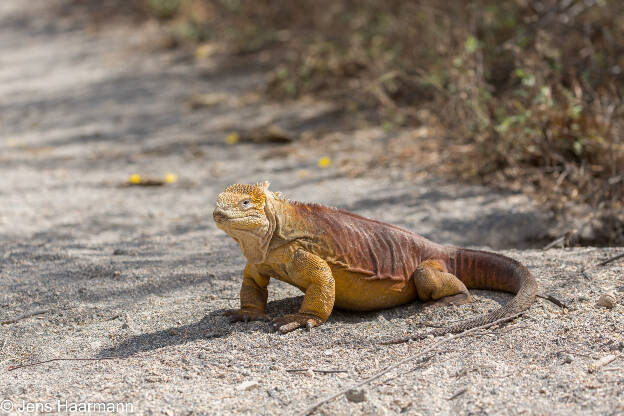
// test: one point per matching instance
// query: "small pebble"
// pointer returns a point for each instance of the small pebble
(606, 300)
(125, 326)
(356, 396)
(247, 385)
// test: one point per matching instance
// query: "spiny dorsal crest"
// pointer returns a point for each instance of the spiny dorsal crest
(256, 192)
(265, 185)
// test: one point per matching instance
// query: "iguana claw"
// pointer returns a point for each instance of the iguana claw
(238, 315)
(288, 323)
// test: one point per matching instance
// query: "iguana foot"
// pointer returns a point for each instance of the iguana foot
(238, 315)
(460, 299)
(288, 323)
(435, 285)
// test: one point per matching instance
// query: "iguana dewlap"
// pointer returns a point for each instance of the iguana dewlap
(345, 260)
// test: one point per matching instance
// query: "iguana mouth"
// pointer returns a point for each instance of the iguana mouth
(221, 217)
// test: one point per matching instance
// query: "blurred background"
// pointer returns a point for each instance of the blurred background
(523, 95)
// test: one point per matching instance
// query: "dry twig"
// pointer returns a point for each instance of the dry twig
(586, 274)
(15, 367)
(418, 337)
(610, 259)
(298, 370)
(565, 239)
(598, 364)
(589, 277)
(24, 316)
(275, 396)
(580, 354)
(459, 393)
(554, 300)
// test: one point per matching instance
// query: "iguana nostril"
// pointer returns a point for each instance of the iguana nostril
(219, 215)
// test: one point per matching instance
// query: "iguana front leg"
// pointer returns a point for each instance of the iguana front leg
(253, 297)
(312, 272)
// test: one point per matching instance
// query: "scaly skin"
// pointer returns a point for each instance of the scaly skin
(342, 259)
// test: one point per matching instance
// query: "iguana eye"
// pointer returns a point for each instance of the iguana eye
(245, 203)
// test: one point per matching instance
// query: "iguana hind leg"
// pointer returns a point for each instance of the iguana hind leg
(436, 286)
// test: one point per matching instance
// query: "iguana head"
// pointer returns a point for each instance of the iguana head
(243, 213)
(241, 207)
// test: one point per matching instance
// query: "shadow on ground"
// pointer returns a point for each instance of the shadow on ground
(215, 325)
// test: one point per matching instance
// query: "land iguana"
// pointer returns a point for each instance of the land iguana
(340, 259)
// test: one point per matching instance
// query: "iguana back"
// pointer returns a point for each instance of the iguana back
(375, 249)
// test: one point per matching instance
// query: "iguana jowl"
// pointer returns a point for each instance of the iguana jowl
(342, 259)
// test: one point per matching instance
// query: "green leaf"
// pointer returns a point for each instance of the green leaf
(574, 112)
(528, 81)
(520, 73)
(504, 126)
(471, 44)
(578, 147)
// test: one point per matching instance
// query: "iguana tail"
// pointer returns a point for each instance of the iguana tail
(484, 270)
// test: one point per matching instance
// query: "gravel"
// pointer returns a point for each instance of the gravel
(139, 277)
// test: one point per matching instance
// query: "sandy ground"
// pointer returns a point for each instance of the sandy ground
(143, 275)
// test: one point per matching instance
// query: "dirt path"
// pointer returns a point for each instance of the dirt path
(143, 274)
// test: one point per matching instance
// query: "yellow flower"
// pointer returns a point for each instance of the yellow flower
(324, 162)
(204, 51)
(171, 178)
(135, 178)
(232, 138)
